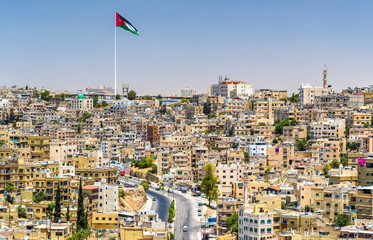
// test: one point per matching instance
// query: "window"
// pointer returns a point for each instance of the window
(269, 230)
(269, 221)
(262, 222)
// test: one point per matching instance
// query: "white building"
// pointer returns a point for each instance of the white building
(258, 149)
(107, 197)
(327, 128)
(231, 89)
(227, 175)
(81, 103)
(188, 92)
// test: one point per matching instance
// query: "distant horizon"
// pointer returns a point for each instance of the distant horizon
(272, 45)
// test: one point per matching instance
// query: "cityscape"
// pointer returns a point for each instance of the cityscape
(230, 157)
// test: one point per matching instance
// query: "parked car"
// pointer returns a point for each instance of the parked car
(154, 199)
(199, 214)
(199, 210)
(199, 204)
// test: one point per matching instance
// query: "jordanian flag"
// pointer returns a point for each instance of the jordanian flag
(125, 24)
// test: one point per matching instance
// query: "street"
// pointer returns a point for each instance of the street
(161, 205)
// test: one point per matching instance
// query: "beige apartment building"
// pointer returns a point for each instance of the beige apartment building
(327, 128)
(265, 108)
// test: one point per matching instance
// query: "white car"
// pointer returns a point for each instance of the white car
(185, 229)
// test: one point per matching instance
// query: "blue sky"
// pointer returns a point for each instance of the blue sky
(269, 43)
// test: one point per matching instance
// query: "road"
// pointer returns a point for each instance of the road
(161, 205)
(186, 215)
(186, 211)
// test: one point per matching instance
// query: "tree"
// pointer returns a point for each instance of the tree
(57, 209)
(121, 193)
(232, 223)
(274, 141)
(352, 146)
(307, 208)
(234, 145)
(145, 185)
(334, 164)
(279, 126)
(104, 104)
(117, 97)
(61, 96)
(80, 221)
(21, 212)
(283, 205)
(39, 196)
(95, 102)
(67, 215)
(209, 183)
(9, 187)
(50, 209)
(171, 212)
(293, 122)
(302, 145)
(294, 98)
(231, 132)
(131, 95)
(268, 171)
(344, 159)
(326, 169)
(9, 198)
(45, 95)
(206, 109)
(101, 124)
(184, 100)
(159, 97)
(79, 129)
(80, 235)
(342, 220)
(246, 156)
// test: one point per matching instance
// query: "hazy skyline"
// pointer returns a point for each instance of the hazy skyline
(270, 44)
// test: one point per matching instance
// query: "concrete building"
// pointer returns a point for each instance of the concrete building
(187, 92)
(231, 89)
(81, 103)
(107, 197)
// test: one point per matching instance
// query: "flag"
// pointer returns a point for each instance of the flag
(125, 24)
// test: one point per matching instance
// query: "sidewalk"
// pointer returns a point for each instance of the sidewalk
(149, 204)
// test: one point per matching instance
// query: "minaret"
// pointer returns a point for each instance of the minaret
(245, 187)
(325, 80)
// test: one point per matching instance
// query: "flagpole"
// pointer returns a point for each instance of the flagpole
(115, 55)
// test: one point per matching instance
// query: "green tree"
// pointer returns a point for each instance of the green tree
(117, 97)
(184, 100)
(121, 193)
(9, 187)
(159, 97)
(171, 212)
(274, 141)
(246, 156)
(45, 95)
(352, 146)
(95, 102)
(232, 223)
(61, 96)
(79, 129)
(50, 209)
(21, 212)
(234, 145)
(67, 215)
(302, 145)
(145, 185)
(293, 122)
(294, 98)
(231, 132)
(283, 205)
(80, 221)
(344, 159)
(40, 196)
(206, 109)
(279, 126)
(334, 164)
(131, 95)
(307, 208)
(101, 124)
(104, 104)
(80, 235)
(268, 171)
(326, 169)
(209, 183)
(57, 209)
(342, 220)
(9, 198)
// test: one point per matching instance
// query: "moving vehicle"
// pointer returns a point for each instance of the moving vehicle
(199, 214)
(154, 199)
(196, 194)
(199, 210)
(185, 229)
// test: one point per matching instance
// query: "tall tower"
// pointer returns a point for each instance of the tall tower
(325, 80)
